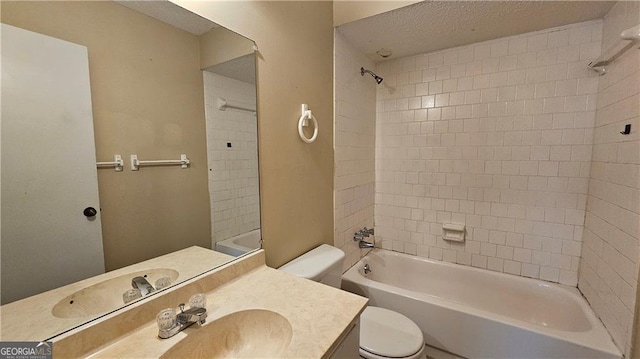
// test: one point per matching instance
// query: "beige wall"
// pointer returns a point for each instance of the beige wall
(233, 44)
(295, 66)
(147, 100)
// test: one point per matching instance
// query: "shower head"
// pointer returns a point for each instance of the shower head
(375, 77)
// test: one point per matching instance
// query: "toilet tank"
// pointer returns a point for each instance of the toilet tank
(322, 264)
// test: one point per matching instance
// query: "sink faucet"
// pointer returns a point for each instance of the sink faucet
(192, 315)
(183, 320)
(142, 284)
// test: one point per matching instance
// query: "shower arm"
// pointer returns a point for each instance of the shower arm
(373, 74)
(364, 71)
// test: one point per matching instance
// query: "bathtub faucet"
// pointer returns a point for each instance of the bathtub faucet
(360, 235)
(363, 233)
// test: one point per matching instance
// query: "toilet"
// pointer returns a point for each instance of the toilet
(384, 333)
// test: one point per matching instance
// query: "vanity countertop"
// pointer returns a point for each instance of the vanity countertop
(319, 315)
(41, 323)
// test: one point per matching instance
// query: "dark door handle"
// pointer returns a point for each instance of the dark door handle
(90, 212)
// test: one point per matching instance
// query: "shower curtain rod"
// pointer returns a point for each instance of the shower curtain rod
(620, 47)
(223, 105)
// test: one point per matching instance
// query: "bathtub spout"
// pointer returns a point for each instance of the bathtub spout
(365, 244)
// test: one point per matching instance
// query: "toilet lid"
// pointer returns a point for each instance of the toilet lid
(387, 333)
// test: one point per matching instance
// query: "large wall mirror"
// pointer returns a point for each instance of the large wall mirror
(85, 84)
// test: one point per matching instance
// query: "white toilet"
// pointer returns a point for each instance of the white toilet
(384, 333)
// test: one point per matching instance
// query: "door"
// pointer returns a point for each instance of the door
(48, 166)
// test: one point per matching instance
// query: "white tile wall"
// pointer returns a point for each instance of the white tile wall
(355, 112)
(233, 172)
(498, 136)
(610, 254)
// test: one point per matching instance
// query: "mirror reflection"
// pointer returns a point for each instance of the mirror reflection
(82, 83)
(232, 151)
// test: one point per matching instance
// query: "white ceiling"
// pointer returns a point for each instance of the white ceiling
(171, 14)
(241, 68)
(435, 25)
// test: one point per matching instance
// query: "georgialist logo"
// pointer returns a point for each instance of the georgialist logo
(26, 350)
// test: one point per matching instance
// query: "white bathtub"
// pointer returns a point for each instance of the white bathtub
(478, 313)
(240, 244)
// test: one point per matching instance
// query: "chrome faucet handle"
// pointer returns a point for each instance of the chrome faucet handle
(131, 295)
(198, 301)
(181, 306)
(168, 325)
(358, 237)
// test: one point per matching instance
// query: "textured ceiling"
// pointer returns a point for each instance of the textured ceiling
(241, 68)
(172, 14)
(435, 25)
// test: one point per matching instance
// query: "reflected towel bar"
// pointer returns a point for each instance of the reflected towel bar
(136, 163)
(117, 164)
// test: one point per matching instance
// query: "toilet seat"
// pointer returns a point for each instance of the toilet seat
(388, 334)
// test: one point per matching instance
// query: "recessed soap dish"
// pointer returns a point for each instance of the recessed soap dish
(453, 232)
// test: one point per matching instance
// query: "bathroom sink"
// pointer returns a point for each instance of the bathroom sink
(254, 333)
(105, 296)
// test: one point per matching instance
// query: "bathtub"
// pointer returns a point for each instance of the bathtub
(478, 313)
(240, 244)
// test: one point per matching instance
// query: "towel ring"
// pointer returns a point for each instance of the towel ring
(304, 122)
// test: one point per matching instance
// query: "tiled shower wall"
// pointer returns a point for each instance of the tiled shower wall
(495, 135)
(610, 254)
(233, 171)
(355, 103)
